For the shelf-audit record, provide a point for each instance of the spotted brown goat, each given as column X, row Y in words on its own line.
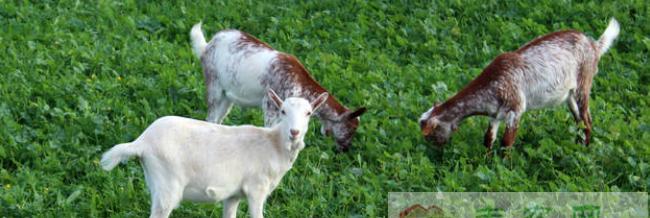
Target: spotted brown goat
column 552, row 69
column 239, row 68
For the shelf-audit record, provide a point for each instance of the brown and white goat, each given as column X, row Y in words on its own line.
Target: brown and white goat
column 238, row 68
column 552, row 69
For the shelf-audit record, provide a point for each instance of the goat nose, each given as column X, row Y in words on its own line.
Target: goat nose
column 294, row 132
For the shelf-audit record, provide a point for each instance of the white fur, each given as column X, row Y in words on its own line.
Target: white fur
column 553, row 70
column 494, row 129
column 551, row 74
column 426, row 115
column 605, row 40
column 198, row 45
column 512, row 118
column 187, row 159
column 239, row 70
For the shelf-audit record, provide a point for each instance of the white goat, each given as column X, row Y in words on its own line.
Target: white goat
column 188, row 159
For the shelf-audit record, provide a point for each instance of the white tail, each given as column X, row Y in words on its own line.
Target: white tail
column 119, row 153
column 198, row 40
column 605, row 40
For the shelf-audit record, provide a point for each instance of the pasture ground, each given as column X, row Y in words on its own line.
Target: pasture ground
column 78, row 77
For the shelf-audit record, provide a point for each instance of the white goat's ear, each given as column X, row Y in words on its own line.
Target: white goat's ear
column 322, row 98
column 274, row 98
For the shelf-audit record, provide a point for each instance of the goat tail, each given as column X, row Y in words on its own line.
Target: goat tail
column 119, row 153
column 605, row 40
column 198, row 40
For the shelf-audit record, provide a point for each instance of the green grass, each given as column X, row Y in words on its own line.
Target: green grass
column 77, row 78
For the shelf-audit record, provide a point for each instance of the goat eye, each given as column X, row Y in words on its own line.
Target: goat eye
column 283, row 113
column 308, row 113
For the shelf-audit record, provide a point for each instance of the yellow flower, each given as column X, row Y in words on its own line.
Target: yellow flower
column 119, row 78
column 7, row 186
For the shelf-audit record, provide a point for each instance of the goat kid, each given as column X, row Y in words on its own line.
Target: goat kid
column 239, row 67
column 187, row 159
column 552, row 69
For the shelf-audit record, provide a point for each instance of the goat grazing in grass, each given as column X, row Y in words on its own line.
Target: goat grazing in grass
column 187, row 159
column 552, row 69
column 239, row 67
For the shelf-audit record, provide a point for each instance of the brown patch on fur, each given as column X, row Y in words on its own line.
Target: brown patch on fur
column 585, row 81
column 496, row 72
column 491, row 92
column 509, row 136
column 288, row 77
column 249, row 40
column 289, row 64
column 207, row 70
column 568, row 35
column 488, row 139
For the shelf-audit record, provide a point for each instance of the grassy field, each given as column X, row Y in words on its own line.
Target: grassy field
column 77, row 78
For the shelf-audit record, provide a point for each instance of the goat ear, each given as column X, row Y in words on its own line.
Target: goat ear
column 322, row 98
column 356, row 113
column 274, row 98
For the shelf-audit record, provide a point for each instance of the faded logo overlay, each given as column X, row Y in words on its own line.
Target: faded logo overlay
column 517, row 204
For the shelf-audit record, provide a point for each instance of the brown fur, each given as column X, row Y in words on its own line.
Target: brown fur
column 493, row 80
column 289, row 64
column 249, row 40
column 336, row 119
column 501, row 88
column 570, row 35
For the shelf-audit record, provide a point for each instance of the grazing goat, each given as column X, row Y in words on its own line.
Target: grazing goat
column 200, row 161
column 239, row 67
column 555, row 68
